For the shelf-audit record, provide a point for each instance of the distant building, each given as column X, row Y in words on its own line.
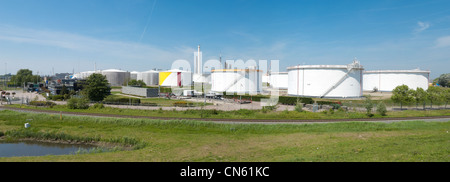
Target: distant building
column 55, row 87
column 61, row 76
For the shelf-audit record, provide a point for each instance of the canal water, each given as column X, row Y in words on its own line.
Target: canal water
column 34, row 148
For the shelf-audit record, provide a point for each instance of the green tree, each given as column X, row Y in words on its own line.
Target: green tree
column 137, row 83
column 420, row 96
column 299, row 106
column 23, row 76
column 403, row 95
column 434, row 95
column 97, row 87
column 368, row 104
column 381, row 109
column 444, row 80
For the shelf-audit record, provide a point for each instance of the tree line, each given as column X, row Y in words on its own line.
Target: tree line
column 404, row 95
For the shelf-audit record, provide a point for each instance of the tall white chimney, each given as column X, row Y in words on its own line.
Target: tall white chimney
column 198, row 62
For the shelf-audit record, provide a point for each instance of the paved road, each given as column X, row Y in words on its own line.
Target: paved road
column 241, row 121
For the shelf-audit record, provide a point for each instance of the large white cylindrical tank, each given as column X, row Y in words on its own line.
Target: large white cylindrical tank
column 150, row 77
column 279, row 80
column 174, row 78
column 202, row 78
column 116, row 77
column 86, row 74
column 387, row 80
column 77, row 76
column 265, row 78
column 134, row 75
column 236, row 81
column 335, row 81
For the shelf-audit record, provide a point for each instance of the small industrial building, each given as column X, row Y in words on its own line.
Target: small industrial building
column 387, row 80
column 55, row 87
column 332, row 81
column 145, row 92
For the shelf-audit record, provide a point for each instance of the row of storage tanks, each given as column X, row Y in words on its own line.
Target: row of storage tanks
column 117, row 77
column 343, row 81
column 333, row 81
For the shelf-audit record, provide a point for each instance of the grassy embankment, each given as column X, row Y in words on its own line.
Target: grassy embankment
column 243, row 113
column 180, row 140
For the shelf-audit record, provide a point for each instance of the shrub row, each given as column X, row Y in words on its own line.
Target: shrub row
column 121, row 100
column 56, row 97
column 285, row 100
column 42, row 103
column 183, row 104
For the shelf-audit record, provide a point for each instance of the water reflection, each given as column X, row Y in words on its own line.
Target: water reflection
column 35, row 148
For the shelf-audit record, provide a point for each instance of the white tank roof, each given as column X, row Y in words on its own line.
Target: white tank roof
column 354, row 65
column 322, row 67
column 151, row 71
column 398, row 71
column 278, row 73
column 176, row 70
column 113, row 70
column 236, row 70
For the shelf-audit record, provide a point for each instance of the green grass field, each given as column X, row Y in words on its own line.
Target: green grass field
column 181, row 140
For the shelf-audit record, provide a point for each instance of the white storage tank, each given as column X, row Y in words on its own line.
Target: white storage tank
column 77, row 76
column 134, row 75
column 116, row 77
column 265, row 78
column 387, row 80
column 335, row 81
column 202, row 78
column 150, row 77
column 175, row 78
column 236, row 80
column 279, row 80
column 86, row 74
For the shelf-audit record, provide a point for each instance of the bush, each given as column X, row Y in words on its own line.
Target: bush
column 335, row 106
column 42, row 103
column 299, row 107
column 381, row 109
column 182, row 104
column 266, row 109
column 331, row 111
column 98, row 106
column 57, row 97
column 78, row 103
column 368, row 104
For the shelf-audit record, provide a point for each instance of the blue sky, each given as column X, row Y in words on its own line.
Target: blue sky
column 138, row 35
